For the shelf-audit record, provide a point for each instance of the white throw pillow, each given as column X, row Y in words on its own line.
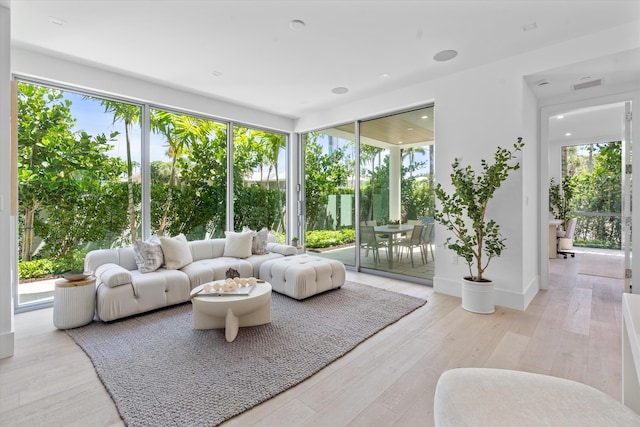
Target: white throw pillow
column 113, row 275
column 149, row 256
column 176, row 252
column 238, row 245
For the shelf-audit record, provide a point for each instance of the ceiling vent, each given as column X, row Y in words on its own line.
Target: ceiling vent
column 591, row 83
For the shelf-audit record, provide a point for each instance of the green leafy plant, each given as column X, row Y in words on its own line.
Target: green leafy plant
column 477, row 239
column 35, row 268
column 560, row 197
column 328, row 238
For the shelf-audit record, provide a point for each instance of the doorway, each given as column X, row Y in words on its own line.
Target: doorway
column 566, row 128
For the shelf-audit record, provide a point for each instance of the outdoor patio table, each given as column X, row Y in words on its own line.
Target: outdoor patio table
column 391, row 231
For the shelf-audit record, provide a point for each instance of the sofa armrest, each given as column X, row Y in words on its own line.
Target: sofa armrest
column 113, row 275
column 282, row 249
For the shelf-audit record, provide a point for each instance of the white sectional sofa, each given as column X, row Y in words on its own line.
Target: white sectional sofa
column 122, row 289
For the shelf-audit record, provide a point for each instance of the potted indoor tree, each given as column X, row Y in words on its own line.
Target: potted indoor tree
column 476, row 239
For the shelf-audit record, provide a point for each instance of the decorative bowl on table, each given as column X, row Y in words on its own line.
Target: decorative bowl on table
column 74, row 276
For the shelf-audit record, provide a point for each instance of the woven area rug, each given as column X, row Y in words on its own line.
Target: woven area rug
column 161, row 372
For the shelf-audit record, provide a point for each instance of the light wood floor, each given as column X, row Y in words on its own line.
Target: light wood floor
column 572, row 330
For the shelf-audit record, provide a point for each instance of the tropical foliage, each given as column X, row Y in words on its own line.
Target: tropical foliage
column 595, row 181
column 76, row 195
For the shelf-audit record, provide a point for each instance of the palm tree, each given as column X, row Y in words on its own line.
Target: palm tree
column 410, row 153
column 129, row 115
column 273, row 143
column 369, row 153
column 180, row 133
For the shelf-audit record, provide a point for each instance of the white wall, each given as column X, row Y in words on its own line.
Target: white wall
column 531, row 190
column 471, row 128
column 7, row 254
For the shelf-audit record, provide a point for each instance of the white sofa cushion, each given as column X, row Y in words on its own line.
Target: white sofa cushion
column 176, row 252
column 257, row 260
column 206, row 249
column 238, row 245
column 282, row 249
column 208, row 270
column 149, row 291
column 149, row 256
column 112, row 275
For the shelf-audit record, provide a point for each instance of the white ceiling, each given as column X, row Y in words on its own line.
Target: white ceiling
column 589, row 125
column 246, row 52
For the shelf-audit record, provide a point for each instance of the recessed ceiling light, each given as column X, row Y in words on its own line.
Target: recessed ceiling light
column 384, row 75
column 409, row 128
column 424, row 117
column 297, row 24
column 567, row 134
column 560, row 117
column 445, row 55
column 339, row 90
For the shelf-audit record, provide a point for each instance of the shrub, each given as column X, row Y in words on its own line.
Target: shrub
column 329, row 238
column 35, row 268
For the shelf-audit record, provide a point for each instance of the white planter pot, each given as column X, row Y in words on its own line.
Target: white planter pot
column 478, row 297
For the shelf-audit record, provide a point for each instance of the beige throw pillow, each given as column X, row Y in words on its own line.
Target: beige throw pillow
column 176, row 252
column 238, row 245
column 259, row 242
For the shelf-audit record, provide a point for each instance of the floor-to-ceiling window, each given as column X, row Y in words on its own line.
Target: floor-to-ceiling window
column 396, row 193
column 395, row 163
column 329, row 212
column 83, row 171
column 78, row 182
column 259, row 180
column 188, row 171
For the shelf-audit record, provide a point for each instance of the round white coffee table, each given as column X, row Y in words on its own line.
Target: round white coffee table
column 232, row 311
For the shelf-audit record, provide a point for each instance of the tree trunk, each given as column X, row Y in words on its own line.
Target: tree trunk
column 131, row 207
column 165, row 212
column 27, row 232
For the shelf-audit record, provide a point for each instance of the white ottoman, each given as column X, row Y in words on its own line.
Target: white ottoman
column 491, row 397
column 302, row 276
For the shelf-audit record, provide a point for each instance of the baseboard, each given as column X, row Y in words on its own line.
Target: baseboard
column 531, row 291
column 7, row 341
column 447, row 286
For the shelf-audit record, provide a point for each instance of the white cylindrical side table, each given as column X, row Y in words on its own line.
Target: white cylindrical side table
column 74, row 302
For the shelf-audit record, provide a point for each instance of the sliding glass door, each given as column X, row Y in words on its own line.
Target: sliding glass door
column 395, row 179
column 396, row 193
column 329, row 211
column 78, row 180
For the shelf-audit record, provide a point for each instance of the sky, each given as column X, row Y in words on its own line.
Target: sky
column 91, row 118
